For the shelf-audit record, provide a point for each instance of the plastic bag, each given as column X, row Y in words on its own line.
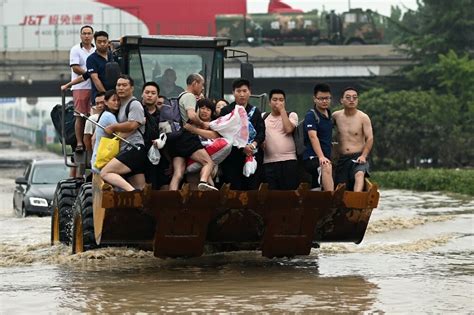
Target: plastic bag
column 250, row 166
column 160, row 141
column 233, row 126
column 108, row 148
column 154, row 155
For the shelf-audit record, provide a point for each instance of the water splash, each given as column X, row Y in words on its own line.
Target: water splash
column 398, row 223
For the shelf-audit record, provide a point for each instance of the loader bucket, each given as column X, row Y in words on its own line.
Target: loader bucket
column 119, row 218
column 187, row 223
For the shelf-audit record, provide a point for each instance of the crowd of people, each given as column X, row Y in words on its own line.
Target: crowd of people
column 258, row 147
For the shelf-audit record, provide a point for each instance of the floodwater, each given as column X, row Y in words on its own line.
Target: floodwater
column 416, row 257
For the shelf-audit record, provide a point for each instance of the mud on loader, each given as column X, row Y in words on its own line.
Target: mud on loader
column 188, row 223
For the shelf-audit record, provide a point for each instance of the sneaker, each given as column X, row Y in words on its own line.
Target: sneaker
column 203, row 186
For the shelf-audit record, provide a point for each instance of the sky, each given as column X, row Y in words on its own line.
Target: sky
column 382, row 7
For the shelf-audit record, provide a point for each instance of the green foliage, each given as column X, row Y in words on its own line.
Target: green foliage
column 432, row 116
column 437, row 27
column 449, row 180
column 411, row 126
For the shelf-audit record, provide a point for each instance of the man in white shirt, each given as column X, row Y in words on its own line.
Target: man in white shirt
column 81, row 92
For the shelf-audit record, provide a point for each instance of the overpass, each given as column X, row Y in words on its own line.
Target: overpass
column 296, row 68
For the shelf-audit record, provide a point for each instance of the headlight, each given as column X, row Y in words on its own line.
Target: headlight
column 39, row 202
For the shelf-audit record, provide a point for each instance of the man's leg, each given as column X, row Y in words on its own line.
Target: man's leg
column 327, row 181
column 359, row 181
column 271, row 176
column 82, row 104
column 288, row 174
column 179, row 165
column 232, row 168
column 111, row 173
column 137, row 181
column 79, row 130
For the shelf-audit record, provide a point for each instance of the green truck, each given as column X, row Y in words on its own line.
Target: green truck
column 355, row 26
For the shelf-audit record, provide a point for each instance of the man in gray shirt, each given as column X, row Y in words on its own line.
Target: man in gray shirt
column 131, row 126
column 188, row 145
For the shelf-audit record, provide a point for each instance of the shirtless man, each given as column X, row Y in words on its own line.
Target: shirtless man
column 355, row 137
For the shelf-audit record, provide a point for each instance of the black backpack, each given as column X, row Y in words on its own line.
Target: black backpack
column 298, row 134
column 69, row 122
column 151, row 126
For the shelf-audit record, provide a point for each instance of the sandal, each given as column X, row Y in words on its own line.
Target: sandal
column 79, row 148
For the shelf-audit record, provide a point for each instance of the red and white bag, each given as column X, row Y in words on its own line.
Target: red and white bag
column 219, row 149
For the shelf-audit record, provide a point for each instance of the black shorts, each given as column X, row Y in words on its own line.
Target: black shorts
column 313, row 168
column 282, row 175
column 134, row 159
column 184, row 145
column 346, row 169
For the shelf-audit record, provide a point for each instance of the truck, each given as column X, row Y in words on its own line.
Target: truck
column 355, row 26
column 89, row 213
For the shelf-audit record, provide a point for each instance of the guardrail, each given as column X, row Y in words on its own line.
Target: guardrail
column 26, row 134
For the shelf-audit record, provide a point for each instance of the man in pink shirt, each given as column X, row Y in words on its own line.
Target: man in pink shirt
column 279, row 161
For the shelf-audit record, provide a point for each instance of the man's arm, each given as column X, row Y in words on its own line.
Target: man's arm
column 369, row 138
column 74, row 59
column 195, row 120
column 77, row 69
column 316, row 145
column 98, row 84
column 288, row 125
column 77, row 80
column 124, row 127
column 91, row 69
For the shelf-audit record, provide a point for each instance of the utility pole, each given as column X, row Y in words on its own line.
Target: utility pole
column 349, row 4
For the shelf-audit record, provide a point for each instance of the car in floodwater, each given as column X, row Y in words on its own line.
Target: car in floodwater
column 35, row 189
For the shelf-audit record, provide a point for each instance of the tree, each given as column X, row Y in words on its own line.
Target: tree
column 438, row 27
column 413, row 125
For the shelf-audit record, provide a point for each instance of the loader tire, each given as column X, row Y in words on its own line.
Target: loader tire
column 83, row 237
column 61, row 214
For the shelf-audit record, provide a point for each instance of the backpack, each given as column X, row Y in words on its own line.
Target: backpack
column 151, row 126
column 298, row 135
column 69, row 122
column 170, row 118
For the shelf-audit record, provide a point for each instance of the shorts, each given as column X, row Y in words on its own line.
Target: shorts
column 135, row 160
column 346, row 169
column 82, row 101
column 282, row 175
column 312, row 166
column 184, row 145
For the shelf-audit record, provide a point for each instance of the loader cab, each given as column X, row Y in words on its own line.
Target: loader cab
column 169, row 60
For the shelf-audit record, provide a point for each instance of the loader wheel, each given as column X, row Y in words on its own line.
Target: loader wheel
column 61, row 216
column 83, row 237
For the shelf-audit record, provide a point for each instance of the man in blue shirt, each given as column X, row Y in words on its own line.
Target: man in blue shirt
column 318, row 138
column 96, row 64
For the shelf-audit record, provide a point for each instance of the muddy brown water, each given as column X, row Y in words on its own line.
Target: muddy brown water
column 416, row 257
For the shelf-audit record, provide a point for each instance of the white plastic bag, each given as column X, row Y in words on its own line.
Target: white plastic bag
column 154, row 155
column 161, row 141
column 250, row 166
column 233, row 126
